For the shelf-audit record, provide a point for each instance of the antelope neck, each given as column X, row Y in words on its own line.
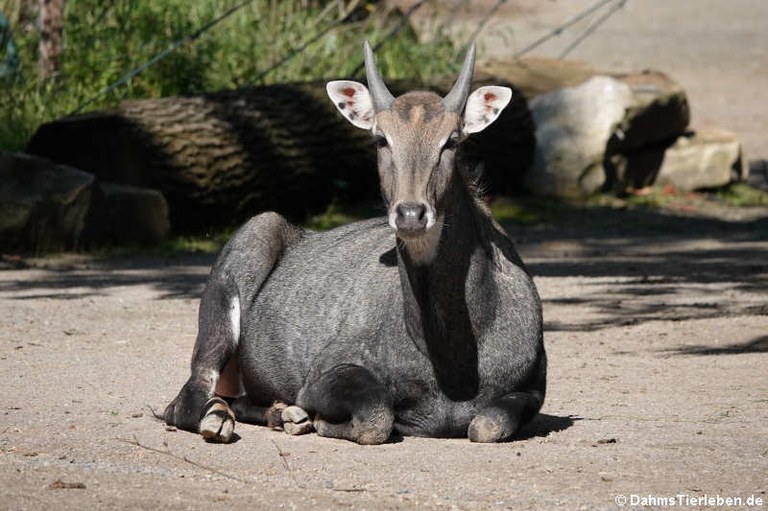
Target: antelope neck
column 436, row 294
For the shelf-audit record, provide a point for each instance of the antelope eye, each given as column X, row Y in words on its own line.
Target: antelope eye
column 380, row 141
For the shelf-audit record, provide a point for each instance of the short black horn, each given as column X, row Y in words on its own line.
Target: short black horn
column 380, row 96
column 457, row 98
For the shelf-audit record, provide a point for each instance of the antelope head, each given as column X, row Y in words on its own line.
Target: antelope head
column 416, row 136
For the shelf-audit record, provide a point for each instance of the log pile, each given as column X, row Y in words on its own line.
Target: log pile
column 220, row 158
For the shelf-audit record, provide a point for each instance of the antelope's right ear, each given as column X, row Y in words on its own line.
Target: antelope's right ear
column 353, row 101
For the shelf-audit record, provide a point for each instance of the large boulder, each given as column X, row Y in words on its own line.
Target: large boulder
column 584, row 116
column 535, row 76
column 573, row 126
column 124, row 214
column 42, row 204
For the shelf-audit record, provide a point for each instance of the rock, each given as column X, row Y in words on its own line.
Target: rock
column 573, row 126
column 583, row 116
column 124, row 214
column 701, row 159
column 42, row 205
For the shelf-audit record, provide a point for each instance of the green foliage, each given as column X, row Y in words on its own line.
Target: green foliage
column 106, row 38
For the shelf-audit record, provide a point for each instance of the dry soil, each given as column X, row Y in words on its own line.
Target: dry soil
column 657, row 333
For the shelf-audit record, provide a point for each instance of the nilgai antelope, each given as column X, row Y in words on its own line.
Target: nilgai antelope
column 424, row 322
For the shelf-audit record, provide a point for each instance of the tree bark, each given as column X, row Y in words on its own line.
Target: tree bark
column 51, row 37
column 25, row 12
column 222, row 157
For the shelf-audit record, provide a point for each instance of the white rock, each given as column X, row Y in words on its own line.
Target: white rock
column 573, row 126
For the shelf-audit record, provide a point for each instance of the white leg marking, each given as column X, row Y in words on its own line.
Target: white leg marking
column 234, row 317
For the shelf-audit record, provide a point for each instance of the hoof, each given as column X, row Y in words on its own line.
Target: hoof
column 295, row 421
column 484, row 430
column 218, row 423
column 492, row 426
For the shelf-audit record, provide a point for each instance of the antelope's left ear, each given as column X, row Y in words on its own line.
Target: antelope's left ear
column 484, row 106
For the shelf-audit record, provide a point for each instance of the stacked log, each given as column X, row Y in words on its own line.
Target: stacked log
column 220, row 158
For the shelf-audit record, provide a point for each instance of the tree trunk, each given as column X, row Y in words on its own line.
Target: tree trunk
column 222, row 157
column 51, row 37
column 25, row 12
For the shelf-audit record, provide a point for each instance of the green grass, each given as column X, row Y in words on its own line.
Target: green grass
column 742, row 195
column 525, row 210
column 105, row 39
column 339, row 214
column 733, row 195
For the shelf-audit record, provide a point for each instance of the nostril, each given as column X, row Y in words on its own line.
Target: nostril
column 411, row 211
column 411, row 216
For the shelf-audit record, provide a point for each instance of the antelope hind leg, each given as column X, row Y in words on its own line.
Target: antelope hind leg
column 504, row 417
column 290, row 418
column 349, row 402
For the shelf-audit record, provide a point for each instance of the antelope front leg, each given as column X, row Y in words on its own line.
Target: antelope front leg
column 499, row 421
column 242, row 267
column 196, row 408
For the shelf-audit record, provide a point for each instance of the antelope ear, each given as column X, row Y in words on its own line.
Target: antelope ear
column 484, row 106
column 353, row 101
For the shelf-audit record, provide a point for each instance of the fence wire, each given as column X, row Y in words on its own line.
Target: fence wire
column 564, row 26
column 591, row 28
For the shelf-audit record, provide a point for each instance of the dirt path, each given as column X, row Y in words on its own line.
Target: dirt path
column 657, row 332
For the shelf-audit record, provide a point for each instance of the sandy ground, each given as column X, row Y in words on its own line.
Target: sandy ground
column 656, row 328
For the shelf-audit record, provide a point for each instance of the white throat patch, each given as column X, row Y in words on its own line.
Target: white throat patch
column 423, row 250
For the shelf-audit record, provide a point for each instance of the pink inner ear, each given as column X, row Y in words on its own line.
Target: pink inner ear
column 489, row 96
column 349, row 92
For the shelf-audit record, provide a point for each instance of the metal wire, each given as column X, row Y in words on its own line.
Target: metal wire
column 591, row 28
column 491, row 13
column 559, row 30
column 301, row 48
column 358, row 69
